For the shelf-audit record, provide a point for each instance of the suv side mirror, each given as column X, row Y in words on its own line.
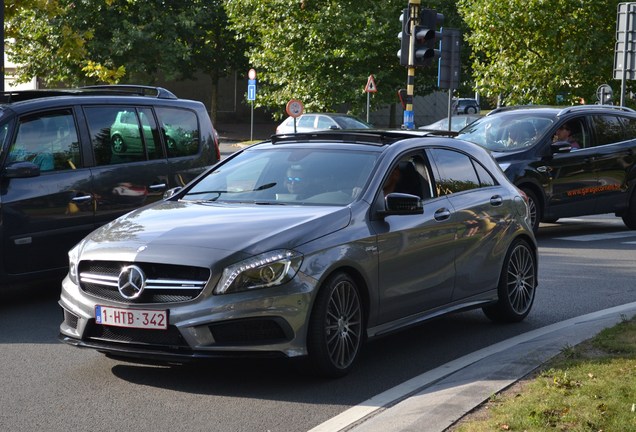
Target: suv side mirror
column 21, row 170
column 171, row 192
column 561, row 147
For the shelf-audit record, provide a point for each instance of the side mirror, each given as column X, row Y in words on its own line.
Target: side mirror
column 561, row 147
column 402, row 204
column 21, row 170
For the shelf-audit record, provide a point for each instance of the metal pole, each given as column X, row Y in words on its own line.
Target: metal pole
column 368, row 107
column 252, row 122
column 628, row 14
column 450, row 108
column 414, row 13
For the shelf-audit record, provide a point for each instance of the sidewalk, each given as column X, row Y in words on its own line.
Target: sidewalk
column 435, row 400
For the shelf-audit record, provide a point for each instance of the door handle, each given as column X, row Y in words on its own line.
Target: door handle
column 157, row 187
column 442, row 214
column 496, row 200
column 81, row 199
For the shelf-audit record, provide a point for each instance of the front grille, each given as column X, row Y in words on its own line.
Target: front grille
column 165, row 283
column 164, row 338
column 251, row 331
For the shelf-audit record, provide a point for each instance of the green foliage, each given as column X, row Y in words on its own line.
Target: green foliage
column 87, row 41
column 320, row 52
column 530, row 51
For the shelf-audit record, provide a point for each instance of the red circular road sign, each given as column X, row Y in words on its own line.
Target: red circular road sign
column 251, row 74
column 294, row 108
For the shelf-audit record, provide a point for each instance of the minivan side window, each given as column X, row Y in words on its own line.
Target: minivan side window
column 180, row 131
column 608, row 129
column 630, row 127
column 49, row 140
column 123, row 134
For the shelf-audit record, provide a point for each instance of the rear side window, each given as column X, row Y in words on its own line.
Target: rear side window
column 49, row 140
column 123, row 134
column 180, row 130
column 630, row 127
column 608, row 129
column 456, row 172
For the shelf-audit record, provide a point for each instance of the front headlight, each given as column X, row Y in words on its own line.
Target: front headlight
column 262, row 271
column 73, row 261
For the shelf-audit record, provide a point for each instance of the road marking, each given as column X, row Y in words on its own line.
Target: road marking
column 596, row 237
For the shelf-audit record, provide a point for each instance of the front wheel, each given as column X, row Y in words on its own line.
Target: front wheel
column 119, row 146
column 535, row 209
column 336, row 327
column 517, row 285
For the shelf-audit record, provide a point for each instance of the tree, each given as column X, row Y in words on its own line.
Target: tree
column 531, row 51
column 132, row 41
column 321, row 52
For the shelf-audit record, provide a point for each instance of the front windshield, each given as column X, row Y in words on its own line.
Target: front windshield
column 507, row 132
column 312, row 176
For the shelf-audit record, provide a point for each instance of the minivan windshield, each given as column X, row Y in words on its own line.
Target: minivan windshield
column 278, row 176
column 507, row 132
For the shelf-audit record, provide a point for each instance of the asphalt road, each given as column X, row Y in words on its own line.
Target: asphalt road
column 584, row 267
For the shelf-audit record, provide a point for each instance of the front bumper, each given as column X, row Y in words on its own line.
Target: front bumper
column 270, row 322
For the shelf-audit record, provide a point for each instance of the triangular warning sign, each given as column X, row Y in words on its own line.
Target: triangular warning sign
column 370, row 87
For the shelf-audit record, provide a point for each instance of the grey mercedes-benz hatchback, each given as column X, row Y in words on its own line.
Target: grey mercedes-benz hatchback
column 305, row 246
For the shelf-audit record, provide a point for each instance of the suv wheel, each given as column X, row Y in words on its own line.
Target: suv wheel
column 535, row 209
column 471, row 110
column 629, row 218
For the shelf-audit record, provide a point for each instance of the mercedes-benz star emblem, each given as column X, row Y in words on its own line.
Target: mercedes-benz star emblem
column 131, row 283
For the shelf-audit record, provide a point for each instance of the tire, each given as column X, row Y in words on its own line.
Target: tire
column 118, row 144
column 517, row 285
column 535, row 209
column 471, row 110
column 629, row 218
column 336, row 327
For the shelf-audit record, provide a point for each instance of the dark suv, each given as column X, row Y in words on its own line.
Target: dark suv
column 62, row 176
column 592, row 171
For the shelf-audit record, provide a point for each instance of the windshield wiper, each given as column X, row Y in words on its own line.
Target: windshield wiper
column 220, row 192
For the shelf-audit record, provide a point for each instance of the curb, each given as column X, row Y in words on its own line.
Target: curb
column 435, row 400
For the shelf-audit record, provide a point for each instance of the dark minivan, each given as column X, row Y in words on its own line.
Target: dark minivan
column 65, row 171
column 573, row 161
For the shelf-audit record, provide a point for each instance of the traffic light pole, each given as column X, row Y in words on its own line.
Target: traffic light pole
column 414, row 16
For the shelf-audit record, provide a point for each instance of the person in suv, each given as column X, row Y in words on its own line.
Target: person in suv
column 64, row 171
column 588, row 171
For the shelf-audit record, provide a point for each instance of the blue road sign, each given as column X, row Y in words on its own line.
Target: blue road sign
column 251, row 90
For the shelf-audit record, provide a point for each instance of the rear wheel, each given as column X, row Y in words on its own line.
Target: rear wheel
column 119, row 146
column 629, row 218
column 517, row 285
column 336, row 327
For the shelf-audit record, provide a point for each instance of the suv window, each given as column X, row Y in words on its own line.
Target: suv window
column 180, row 131
column 116, row 137
column 608, row 129
column 49, row 140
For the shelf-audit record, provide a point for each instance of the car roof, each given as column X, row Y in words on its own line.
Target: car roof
column 560, row 111
column 23, row 100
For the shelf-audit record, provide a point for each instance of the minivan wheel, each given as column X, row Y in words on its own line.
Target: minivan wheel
column 629, row 218
column 336, row 327
column 517, row 285
column 119, row 146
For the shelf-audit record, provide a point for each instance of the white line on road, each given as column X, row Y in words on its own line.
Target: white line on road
column 596, row 237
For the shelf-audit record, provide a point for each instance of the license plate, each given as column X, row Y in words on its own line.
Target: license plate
column 131, row 318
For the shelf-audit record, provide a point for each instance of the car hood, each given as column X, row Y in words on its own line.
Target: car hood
column 202, row 233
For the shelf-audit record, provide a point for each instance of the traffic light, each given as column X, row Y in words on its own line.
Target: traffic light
column 427, row 38
column 405, row 38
